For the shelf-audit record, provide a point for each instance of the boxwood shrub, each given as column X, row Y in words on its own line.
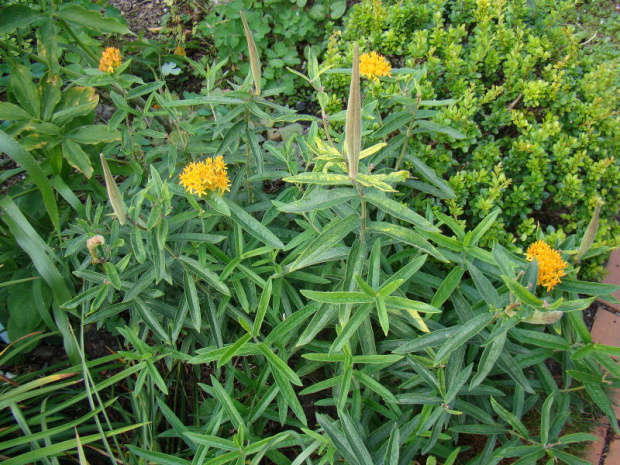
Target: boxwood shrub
column 540, row 117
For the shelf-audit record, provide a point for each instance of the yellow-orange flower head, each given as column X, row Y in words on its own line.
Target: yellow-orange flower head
column 373, row 66
column 551, row 267
column 110, row 60
column 206, row 176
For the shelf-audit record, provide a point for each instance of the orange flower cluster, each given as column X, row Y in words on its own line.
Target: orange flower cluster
column 110, row 60
column 206, row 176
column 551, row 267
column 373, row 66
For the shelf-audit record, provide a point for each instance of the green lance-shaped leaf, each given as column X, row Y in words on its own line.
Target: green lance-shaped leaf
column 510, row 418
column 262, row 307
column 354, row 439
column 590, row 235
column 226, row 401
column 317, row 200
column 331, row 235
column 399, row 211
column 92, row 20
column 77, row 157
column 11, row 112
column 23, row 158
column 340, row 442
column 191, row 294
column 25, row 90
column 464, row 334
column 382, row 312
column 254, row 61
column 254, row 227
column 522, row 293
column 545, row 420
column 329, row 179
column 277, row 364
column 487, row 362
column 392, row 451
column 16, row 16
column 353, row 126
column 116, row 199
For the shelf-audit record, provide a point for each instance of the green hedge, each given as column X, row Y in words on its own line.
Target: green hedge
column 540, row 117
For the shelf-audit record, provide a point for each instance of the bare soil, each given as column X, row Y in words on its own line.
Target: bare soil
column 142, row 15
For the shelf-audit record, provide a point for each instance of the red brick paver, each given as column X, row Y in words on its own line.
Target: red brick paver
column 596, row 448
column 613, row 277
column 613, row 456
column 606, row 330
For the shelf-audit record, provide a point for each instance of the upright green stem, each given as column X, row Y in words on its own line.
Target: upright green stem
column 311, row 223
column 78, row 41
column 401, row 157
column 247, row 156
column 325, row 122
column 364, row 214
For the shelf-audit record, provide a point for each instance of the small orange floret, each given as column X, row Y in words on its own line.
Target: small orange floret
column 110, row 60
column 205, row 176
column 551, row 267
column 373, row 66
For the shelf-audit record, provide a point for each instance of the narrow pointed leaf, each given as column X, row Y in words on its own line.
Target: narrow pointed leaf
column 447, row 287
column 408, row 236
column 252, row 226
column 487, row 362
column 227, row 403
column 262, row 307
column 398, row 210
column 464, row 333
column 191, row 295
column 24, row 159
column 278, row 365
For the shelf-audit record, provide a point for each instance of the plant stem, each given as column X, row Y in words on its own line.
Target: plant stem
column 364, row 214
column 325, row 121
column 310, row 223
column 401, row 157
column 78, row 41
column 247, row 156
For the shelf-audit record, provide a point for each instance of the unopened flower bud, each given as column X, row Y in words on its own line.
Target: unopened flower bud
column 92, row 245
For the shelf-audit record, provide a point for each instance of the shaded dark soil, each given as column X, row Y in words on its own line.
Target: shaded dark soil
column 97, row 343
column 589, row 314
column 610, row 437
column 7, row 164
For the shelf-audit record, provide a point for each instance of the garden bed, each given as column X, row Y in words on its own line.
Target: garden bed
column 337, row 234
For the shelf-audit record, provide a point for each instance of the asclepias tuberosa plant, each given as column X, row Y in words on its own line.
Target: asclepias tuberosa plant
column 320, row 320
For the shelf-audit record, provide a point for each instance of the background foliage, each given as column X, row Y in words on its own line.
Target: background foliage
column 540, row 117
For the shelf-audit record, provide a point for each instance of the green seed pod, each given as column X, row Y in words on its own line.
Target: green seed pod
column 590, row 235
column 543, row 318
column 353, row 126
column 254, row 61
column 116, row 199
